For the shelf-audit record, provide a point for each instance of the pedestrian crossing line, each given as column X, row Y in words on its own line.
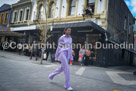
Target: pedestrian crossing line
column 116, row 78
column 80, row 71
column 48, row 66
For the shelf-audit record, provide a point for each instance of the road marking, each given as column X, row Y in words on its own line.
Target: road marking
column 116, row 78
column 80, row 71
column 116, row 90
column 48, row 66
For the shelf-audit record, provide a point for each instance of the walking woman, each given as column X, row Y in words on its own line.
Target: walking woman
column 63, row 54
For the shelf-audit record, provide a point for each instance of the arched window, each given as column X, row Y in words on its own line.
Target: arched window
column 41, row 12
column 51, row 9
column 72, row 6
column 21, row 16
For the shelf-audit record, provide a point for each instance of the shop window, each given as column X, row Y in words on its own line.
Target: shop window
column 51, row 9
column 72, row 6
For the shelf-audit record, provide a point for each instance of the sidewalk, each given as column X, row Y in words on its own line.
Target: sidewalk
column 19, row 72
column 121, row 68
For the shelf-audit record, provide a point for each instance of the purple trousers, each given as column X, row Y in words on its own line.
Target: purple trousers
column 63, row 57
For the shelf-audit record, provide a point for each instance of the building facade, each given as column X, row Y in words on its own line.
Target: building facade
column 90, row 20
column 5, row 16
column 22, row 20
column 111, row 15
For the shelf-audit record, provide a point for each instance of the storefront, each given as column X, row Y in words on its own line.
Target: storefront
column 9, row 36
column 82, row 33
column 32, row 33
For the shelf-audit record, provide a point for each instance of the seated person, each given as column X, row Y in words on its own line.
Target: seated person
column 87, row 58
column 88, row 11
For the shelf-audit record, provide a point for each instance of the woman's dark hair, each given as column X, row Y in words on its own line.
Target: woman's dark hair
column 66, row 29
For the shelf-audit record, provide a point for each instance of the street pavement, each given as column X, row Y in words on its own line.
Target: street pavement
column 19, row 73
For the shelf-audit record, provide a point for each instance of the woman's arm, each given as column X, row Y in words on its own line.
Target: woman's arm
column 71, row 56
column 60, row 41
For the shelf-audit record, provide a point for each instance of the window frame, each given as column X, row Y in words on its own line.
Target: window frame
column 6, row 17
column 70, row 8
column 49, row 8
column 1, row 23
column 19, row 17
column 25, row 15
column 13, row 20
column 39, row 16
column 92, row 5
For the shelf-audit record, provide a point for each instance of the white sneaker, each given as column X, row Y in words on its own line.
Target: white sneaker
column 51, row 81
column 70, row 89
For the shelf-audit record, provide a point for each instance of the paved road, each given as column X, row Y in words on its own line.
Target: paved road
column 18, row 73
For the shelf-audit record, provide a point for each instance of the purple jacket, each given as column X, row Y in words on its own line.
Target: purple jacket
column 64, row 43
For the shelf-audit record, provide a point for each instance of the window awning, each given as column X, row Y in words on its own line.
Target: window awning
column 10, row 33
column 83, row 27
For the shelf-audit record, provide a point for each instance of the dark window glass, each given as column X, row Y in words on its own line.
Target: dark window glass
column 27, row 14
column 21, row 15
column 15, row 16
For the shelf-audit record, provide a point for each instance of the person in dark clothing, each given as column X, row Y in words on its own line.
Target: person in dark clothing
column 34, row 51
column 87, row 57
column 20, row 50
column 89, row 11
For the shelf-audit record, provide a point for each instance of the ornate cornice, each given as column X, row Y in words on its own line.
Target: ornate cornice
column 22, row 3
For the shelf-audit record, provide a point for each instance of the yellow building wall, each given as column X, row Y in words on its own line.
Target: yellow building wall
column 74, row 18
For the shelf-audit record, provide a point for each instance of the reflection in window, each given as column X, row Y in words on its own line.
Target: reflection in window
column 51, row 9
column 72, row 7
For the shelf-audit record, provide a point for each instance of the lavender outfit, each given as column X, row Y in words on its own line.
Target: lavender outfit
column 63, row 54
